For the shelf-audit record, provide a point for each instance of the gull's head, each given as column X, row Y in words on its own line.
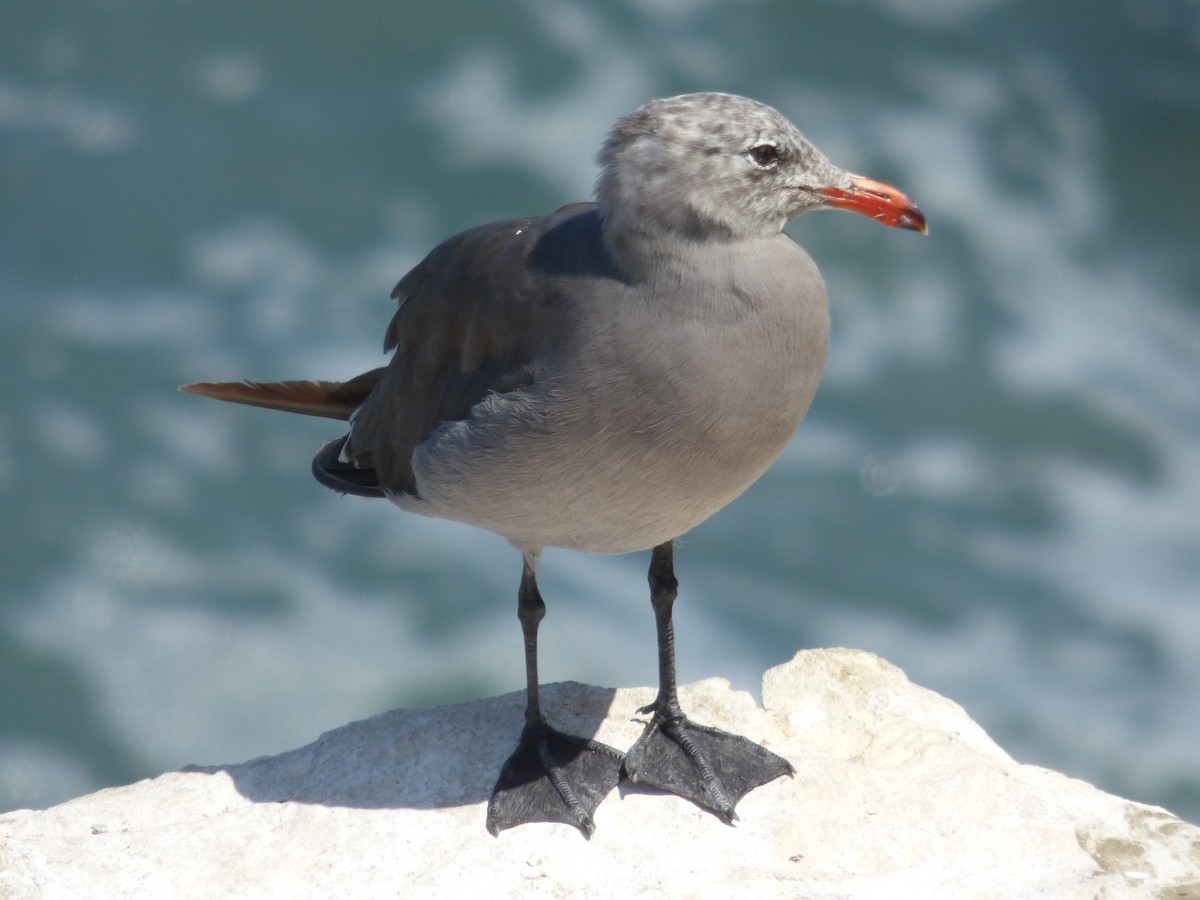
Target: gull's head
column 721, row 167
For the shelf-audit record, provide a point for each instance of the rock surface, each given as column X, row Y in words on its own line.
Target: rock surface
column 896, row 794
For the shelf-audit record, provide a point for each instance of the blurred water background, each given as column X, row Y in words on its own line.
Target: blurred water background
column 998, row 488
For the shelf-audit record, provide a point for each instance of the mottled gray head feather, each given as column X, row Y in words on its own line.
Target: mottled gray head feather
column 694, row 166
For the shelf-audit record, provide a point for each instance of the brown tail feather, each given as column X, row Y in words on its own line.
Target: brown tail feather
column 331, row 399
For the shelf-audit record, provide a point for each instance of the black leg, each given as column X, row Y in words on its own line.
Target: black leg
column 551, row 776
column 710, row 767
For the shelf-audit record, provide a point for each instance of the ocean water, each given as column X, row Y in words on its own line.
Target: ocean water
column 997, row 489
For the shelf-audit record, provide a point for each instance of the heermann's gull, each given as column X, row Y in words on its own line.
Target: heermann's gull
column 605, row 378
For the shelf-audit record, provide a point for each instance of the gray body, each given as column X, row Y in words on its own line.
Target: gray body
column 697, row 375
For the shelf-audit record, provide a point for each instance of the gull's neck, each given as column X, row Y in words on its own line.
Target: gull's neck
column 645, row 248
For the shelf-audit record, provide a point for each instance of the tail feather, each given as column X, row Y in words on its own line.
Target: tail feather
column 331, row 399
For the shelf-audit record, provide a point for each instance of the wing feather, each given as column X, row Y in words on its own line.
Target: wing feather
column 476, row 316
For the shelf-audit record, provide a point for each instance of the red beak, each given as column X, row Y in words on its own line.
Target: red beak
column 880, row 201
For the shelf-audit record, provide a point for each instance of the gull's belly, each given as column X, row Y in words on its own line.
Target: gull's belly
column 602, row 491
column 628, row 454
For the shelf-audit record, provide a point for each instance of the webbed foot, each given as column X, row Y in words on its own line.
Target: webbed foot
column 553, row 777
column 710, row 767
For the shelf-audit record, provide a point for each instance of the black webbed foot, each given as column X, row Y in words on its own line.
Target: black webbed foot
column 553, row 777
column 710, row 767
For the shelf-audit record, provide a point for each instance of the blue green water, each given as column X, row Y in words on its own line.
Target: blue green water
column 997, row 488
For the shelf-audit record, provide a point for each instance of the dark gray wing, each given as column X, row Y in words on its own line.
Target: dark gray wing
column 475, row 317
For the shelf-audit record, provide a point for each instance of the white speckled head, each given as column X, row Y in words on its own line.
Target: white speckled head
column 710, row 167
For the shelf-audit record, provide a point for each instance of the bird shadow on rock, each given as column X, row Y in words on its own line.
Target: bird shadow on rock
column 414, row 758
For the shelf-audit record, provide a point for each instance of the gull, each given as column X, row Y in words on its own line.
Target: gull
column 604, row 379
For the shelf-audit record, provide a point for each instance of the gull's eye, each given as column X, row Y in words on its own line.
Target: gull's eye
column 764, row 155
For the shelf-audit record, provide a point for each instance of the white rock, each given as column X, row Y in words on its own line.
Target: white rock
column 897, row 794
